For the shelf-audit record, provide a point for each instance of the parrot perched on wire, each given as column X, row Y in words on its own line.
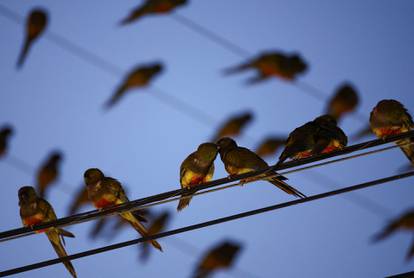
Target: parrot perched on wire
column 233, row 126
column 140, row 77
column 273, row 64
column 5, row 133
column 48, row 172
column 390, row 117
column 345, row 100
column 221, row 256
column 105, row 192
column 35, row 26
column 152, row 7
column 35, row 210
column 238, row 160
column 404, row 222
column 156, row 226
column 270, row 145
column 196, row 169
column 322, row 135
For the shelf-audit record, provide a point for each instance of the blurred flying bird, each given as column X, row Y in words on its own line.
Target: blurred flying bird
column 233, row 126
column 322, row 135
column 106, row 192
column 81, row 198
column 35, row 26
column 139, row 77
column 196, row 169
column 238, row 160
column 5, row 133
column 35, row 210
column 404, row 222
column 270, row 145
column 48, row 172
column 152, row 7
column 156, row 226
column 273, row 64
column 221, row 256
column 390, row 117
column 344, row 101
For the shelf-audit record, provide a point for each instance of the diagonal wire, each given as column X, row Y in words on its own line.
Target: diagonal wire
column 208, row 223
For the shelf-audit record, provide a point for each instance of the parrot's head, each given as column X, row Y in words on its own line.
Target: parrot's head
column 226, row 143
column 326, row 120
column 229, row 249
column 208, row 151
column 389, row 105
column 93, row 176
column 38, row 17
column 157, row 68
column 56, row 156
column 246, row 117
column 6, row 130
column 27, row 195
column 298, row 64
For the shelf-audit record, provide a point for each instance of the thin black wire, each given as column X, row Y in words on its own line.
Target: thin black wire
column 208, row 223
column 136, row 204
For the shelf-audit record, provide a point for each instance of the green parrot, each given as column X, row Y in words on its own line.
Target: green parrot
column 221, row 256
column 5, row 133
column 34, row 211
column 35, row 26
column 196, row 169
column 404, row 222
column 106, row 192
column 345, row 100
column 273, row 64
column 140, row 77
column 389, row 117
column 270, row 145
column 152, row 7
column 48, row 172
column 233, row 126
column 238, row 160
column 322, row 135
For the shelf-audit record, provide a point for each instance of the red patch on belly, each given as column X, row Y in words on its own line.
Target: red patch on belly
column 103, row 203
column 389, row 131
column 197, row 180
column 304, row 154
column 330, row 149
column 32, row 221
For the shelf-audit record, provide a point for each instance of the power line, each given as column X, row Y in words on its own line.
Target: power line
column 207, row 223
column 137, row 204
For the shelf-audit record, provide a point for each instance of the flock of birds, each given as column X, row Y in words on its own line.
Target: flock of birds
column 321, row 135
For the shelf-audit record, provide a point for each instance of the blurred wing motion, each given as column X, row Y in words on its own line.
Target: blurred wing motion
column 150, row 7
column 158, row 225
column 390, row 117
column 344, row 101
column 48, row 172
column 81, row 198
column 5, row 133
column 35, row 26
column 221, row 256
column 272, row 64
column 233, row 126
column 140, row 77
column 270, row 145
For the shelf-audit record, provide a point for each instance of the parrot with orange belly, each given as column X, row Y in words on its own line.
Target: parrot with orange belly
column 35, row 26
column 321, row 135
column 390, row 117
column 106, row 192
column 196, row 169
column 34, row 211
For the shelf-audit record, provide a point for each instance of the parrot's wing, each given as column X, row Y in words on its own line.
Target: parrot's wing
column 245, row 158
column 116, row 188
column 47, row 210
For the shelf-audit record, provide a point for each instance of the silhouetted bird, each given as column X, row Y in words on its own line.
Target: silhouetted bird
column 5, row 133
column 238, row 160
column 345, row 100
column 196, row 169
column 48, row 172
column 270, row 145
column 321, row 135
column 35, row 26
column 233, row 126
column 273, row 64
column 404, row 222
column 152, row 7
column 105, row 192
column 35, row 210
column 140, row 77
column 221, row 256
column 390, row 117
column 156, row 226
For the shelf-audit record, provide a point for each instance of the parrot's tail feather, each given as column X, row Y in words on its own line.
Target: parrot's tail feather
column 236, row 69
column 386, row 232
column 408, row 148
column 134, row 16
column 145, row 251
column 184, row 202
column 285, row 187
column 24, row 52
column 65, row 233
column 139, row 228
column 116, row 97
column 256, row 79
column 54, row 239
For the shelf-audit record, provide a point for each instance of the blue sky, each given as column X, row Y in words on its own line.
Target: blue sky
column 55, row 102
